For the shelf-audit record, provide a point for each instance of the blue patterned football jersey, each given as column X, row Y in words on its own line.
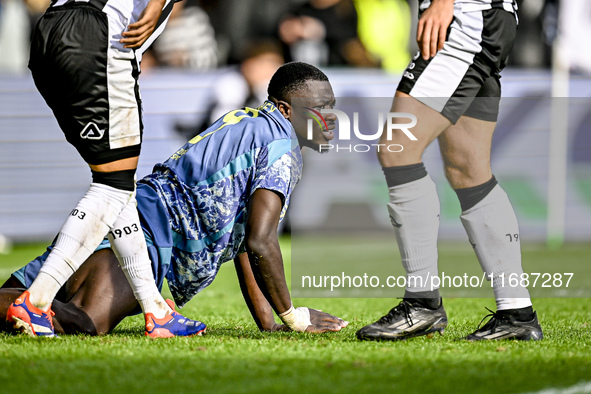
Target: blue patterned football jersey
column 194, row 206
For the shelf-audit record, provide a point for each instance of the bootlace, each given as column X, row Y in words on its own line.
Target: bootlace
column 492, row 323
column 404, row 309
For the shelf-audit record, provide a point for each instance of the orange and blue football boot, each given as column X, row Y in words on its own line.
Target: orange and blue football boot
column 29, row 319
column 172, row 325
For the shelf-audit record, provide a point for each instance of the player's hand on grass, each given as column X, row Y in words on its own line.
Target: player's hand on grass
column 433, row 25
column 137, row 33
column 323, row 322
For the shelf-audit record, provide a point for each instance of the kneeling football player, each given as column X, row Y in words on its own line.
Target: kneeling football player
column 220, row 197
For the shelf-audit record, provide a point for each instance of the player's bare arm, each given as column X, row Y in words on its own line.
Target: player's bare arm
column 263, row 249
column 259, row 307
column 266, row 261
column 137, row 33
column 433, row 25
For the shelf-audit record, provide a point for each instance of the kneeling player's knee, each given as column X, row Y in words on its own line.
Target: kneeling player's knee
column 74, row 320
column 123, row 180
column 88, row 328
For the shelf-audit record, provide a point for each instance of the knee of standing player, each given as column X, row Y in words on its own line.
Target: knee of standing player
column 399, row 150
column 456, row 174
column 123, row 180
column 461, row 175
column 390, row 154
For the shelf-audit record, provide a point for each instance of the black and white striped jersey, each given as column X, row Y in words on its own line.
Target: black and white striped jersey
column 477, row 5
column 122, row 13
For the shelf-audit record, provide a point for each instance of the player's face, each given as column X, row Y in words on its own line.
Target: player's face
column 306, row 105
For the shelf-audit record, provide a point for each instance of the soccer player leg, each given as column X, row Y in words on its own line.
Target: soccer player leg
column 491, row 225
column 414, row 203
column 95, row 298
column 129, row 244
column 101, row 290
column 9, row 292
column 414, row 212
column 82, row 232
column 493, row 231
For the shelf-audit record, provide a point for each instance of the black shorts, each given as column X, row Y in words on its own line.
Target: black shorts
column 91, row 87
column 464, row 77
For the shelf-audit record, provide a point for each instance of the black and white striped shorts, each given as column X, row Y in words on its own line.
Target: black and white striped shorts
column 464, row 77
column 91, row 87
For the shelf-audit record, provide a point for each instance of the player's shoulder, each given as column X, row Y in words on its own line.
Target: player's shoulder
column 277, row 120
column 268, row 132
column 270, row 114
column 247, row 131
column 263, row 124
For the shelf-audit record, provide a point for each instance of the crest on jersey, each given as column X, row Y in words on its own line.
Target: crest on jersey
column 92, row 132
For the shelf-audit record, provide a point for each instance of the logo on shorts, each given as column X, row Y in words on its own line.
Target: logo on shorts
column 394, row 222
column 92, row 132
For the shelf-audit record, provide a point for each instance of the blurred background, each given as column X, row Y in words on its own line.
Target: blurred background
column 215, row 56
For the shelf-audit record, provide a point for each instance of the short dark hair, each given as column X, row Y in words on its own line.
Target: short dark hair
column 292, row 76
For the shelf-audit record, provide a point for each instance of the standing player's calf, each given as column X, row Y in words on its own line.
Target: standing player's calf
column 454, row 90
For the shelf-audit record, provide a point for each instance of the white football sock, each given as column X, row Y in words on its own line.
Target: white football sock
column 129, row 244
column 493, row 231
column 82, row 232
column 414, row 211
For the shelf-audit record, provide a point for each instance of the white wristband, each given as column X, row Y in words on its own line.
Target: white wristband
column 298, row 319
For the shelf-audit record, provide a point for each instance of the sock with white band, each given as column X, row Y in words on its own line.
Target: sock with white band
column 414, row 212
column 129, row 244
column 493, row 231
column 82, row 232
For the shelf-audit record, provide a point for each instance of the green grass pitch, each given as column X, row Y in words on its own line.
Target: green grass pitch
column 235, row 357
